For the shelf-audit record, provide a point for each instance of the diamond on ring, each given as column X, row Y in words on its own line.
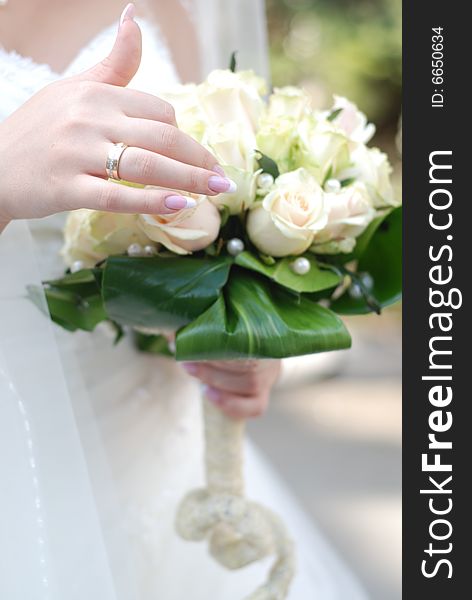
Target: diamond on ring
column 113, row 160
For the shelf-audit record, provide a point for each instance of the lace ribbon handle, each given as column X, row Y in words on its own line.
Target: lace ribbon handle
column 239, row 532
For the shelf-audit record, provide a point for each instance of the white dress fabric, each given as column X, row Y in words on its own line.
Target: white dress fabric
column 99, row 443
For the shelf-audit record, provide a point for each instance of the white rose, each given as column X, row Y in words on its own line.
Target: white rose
column 185, row 231
column 183, row 98
column 288, row 101
column 322, row 149
column 189, row 114
column 277, row 135
column 289, row 216
column 245, row 194
column 372, row 167
column 276, row 139
column 234, row 149
column 91, row 236
column 349, row 213
column 232, row 145
column 227, row 96
column 352, row 121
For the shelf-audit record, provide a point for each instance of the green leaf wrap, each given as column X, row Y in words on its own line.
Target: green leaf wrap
column 380, row 255
column 75, row 301
column 258, row 319
column 161, row 292
column 281, row 272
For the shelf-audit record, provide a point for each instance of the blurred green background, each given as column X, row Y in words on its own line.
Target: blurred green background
column 348, row 47
column 334, row 425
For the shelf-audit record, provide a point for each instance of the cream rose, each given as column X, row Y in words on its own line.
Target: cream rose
column 91, row 236
column 352, row 121
column 232, row 145
column 232, row 97
column 183, row 97
column 234, row 148
column 277, row 135
column 289, row 102
column 186, row 231
column 276, row 138
column 349, row 213
column 372, row 167
column 189, row 114
column 322, row 149
column 245, row 194
column 289, row 216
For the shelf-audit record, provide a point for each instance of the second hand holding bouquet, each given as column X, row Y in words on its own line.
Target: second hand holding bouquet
column 312, row 230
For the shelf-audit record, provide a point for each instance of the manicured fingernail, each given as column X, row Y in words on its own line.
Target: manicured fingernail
column 128, row 13
column 221, row 185
column 212, row 395
column 190, row 368
column 219, row 170
column 179, row 202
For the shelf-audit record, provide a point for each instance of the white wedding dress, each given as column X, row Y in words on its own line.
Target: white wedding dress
column 99, row 443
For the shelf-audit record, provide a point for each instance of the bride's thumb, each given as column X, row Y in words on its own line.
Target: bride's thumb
column 120, row 66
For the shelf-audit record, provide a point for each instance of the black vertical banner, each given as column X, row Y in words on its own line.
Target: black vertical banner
column 437, row 196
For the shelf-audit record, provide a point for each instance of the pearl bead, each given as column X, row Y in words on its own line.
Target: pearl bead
column 77, row 265
column 135, row 250
column 265, row 181
column 332, row 186
column 367, row 280
column 235, row 246
column 150, row 250
column 301, row 266
column 355, row 291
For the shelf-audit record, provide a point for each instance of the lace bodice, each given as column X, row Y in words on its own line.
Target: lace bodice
column 21, row 77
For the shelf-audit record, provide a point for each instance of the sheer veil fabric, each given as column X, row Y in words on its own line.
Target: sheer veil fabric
column 228, row 26
column 98, row 444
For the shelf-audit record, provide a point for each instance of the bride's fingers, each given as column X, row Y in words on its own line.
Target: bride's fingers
column 141, row 105
column 167, row 140
column 149, row 168
column 248, row 383
column 238, row 407
column 99, row 194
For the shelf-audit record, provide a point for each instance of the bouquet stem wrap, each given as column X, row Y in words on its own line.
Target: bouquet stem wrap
column 223, row 451
column 239, row 532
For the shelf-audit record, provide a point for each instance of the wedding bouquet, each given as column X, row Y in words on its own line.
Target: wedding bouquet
column 312, row 231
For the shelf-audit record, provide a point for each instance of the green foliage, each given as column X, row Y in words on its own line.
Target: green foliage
column 254, row 318
column 161, row 292
column 379, row 255
column 233, row 62
column 74, row 301
column 267, row 164
column 281, row 272
column 347, row 47
column 153, row 344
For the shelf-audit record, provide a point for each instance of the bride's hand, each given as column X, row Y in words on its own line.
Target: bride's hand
column 53, row 149
column 241, row 388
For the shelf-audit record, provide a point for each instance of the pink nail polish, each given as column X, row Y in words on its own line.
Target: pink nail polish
column 128, row 13
column 190, row 368
column 179, row 202
column 221, row 185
